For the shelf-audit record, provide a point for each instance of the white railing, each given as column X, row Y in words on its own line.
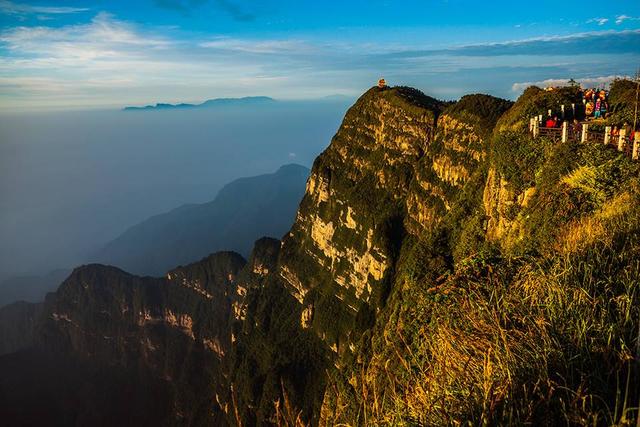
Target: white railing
column 585, row 135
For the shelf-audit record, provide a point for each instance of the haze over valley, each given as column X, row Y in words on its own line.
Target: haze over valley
column 72, row 181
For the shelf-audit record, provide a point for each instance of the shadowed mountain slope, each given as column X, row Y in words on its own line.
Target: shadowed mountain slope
column 243, row 211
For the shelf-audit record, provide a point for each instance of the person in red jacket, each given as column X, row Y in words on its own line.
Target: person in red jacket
column 552, row 122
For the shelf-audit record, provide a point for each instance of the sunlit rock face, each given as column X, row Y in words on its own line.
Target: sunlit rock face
column 498, row 198
column 341, row 249
column 457, row 150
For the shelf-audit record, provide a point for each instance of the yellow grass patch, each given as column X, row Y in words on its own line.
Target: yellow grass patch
column 596, row 228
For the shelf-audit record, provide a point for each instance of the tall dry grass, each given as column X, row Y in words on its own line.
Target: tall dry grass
column 526, row 341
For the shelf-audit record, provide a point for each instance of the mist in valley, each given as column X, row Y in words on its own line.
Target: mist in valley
column 72, row 181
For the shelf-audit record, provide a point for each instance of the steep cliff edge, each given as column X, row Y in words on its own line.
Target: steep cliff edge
column 392, row 172
column 338, row 259
column 336, row 264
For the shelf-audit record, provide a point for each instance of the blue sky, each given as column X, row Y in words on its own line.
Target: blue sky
column 77, row 54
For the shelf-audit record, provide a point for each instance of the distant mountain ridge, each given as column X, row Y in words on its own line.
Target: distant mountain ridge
column 217, row 102
column 243, row 210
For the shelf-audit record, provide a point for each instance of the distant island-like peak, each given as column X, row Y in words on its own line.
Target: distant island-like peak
column 217, row 102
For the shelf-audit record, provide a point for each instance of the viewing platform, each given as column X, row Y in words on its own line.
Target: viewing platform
column 587, row 132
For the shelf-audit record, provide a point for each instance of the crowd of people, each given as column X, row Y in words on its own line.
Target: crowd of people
column 595, row 103
column 596, row 106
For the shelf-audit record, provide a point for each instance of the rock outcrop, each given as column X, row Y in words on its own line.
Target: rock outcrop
column 339, row 255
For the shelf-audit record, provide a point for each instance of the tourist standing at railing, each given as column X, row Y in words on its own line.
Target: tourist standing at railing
column 588, row 94
column 595, row 103
column 552, row 122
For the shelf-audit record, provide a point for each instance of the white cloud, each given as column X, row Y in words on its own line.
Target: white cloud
column 622, row 18
column 584, row 82
column 10, row 8
column 102, row 34
column 81, row 51
column 258, row 46
column 599, row 21
column 553, row 38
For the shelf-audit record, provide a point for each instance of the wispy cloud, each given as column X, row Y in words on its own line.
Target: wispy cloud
column 599, row 21
column 620, row 19
column 610, row 41
column 258, row 46
column 104, row 36
column 10, row 8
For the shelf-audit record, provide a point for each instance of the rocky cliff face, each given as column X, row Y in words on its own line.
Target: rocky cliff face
column 338, row 258
column 175, row 336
